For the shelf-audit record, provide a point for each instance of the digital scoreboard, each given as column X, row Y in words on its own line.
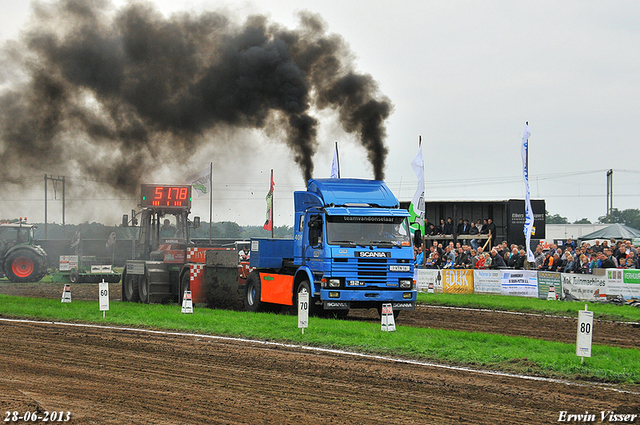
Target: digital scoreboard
column 163, row 196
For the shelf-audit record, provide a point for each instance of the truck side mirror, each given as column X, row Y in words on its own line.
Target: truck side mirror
column 196, row 222
column 125, row 220
column 417, row 238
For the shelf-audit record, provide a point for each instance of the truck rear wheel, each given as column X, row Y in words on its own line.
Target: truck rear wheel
column 252, row 293
column 24, row 265
column 131, row 288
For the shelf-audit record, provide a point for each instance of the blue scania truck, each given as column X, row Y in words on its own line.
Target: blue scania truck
column 351, row 249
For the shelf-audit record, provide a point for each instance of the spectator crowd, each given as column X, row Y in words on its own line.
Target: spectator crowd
column 567, row 258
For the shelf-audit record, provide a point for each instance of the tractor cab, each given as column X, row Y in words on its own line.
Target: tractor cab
column 164, row 223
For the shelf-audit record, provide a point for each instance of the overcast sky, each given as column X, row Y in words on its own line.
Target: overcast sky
column 463, row 75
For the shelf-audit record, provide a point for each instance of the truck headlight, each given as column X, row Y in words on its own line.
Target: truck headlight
column 334, row 294
column 334, row 283
column 406, row 283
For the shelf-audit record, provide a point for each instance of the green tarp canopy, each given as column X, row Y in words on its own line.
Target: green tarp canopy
column 615, row 231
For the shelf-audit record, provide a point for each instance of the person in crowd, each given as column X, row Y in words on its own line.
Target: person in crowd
column 583, row 267
column 449, row 254
column 481, row 262
column 419, row 257
column 440, row 227
column 448, row 227
column 606, row 261
column 558, row 264
column 630, row 264
column 609, row 254
column 479, row 226
column 497, row 262
column 547, row 264
column 569, row 243
column 487, row 259
column 491, row 230
column 473, row 230
column 513, row 257
column 630, row 248
column 569, row 265
column 463, row 227
column 539, row 257
column 462, row 259
column 597, row 247
column 435, row 262
column 522, row 257
column 473, row 259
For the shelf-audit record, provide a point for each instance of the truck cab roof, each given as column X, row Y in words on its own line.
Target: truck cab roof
column 353, row 193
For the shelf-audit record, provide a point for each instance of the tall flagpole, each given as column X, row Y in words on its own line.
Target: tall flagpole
column 273, row 215
column 338, row 159
column 210, row 201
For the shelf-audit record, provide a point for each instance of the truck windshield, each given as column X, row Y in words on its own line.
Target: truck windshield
column 355, row 230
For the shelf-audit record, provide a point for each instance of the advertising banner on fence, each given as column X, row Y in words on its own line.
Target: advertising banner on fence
column 547, row 279
column 585, row 287
column 521, row 283
column 428, row 277
column 457, row 281
column 486, row 282
column 623, row 282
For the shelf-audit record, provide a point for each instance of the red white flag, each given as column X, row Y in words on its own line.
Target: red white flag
column 268, row 223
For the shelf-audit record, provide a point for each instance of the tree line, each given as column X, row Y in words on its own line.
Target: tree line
column 629, row 217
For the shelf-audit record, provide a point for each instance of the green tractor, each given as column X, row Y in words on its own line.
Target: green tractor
column 21, row 260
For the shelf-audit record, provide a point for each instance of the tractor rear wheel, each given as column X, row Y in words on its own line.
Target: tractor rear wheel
column 184, row 285
column 131, row 288
column 143, row 288
column 24, row 265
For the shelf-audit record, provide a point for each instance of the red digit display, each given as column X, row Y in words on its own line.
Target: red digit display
column 163, row 196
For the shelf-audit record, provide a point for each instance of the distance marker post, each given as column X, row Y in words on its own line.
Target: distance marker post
column 388, row 323
column 187, row 303
column 103, row 288
column 303, row 310
column 585, row 333
column 66, row 294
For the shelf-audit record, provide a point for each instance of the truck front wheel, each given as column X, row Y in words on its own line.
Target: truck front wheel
column 252, row 293
column 305, row 286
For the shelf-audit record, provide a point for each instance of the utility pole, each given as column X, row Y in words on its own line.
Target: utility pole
column 54, row 179
column 609, row 192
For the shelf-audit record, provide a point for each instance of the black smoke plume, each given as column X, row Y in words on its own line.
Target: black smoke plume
column 112, row 93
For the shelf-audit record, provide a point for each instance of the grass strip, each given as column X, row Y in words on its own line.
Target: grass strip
column 532, row 305
column 498, row 352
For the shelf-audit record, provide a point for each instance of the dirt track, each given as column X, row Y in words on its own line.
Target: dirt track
column 119, row 376
column 113, row 376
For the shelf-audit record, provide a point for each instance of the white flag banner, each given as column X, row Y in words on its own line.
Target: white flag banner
column 528, row 222
column 335, row 169
column 418, row 168
column 201, row 182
